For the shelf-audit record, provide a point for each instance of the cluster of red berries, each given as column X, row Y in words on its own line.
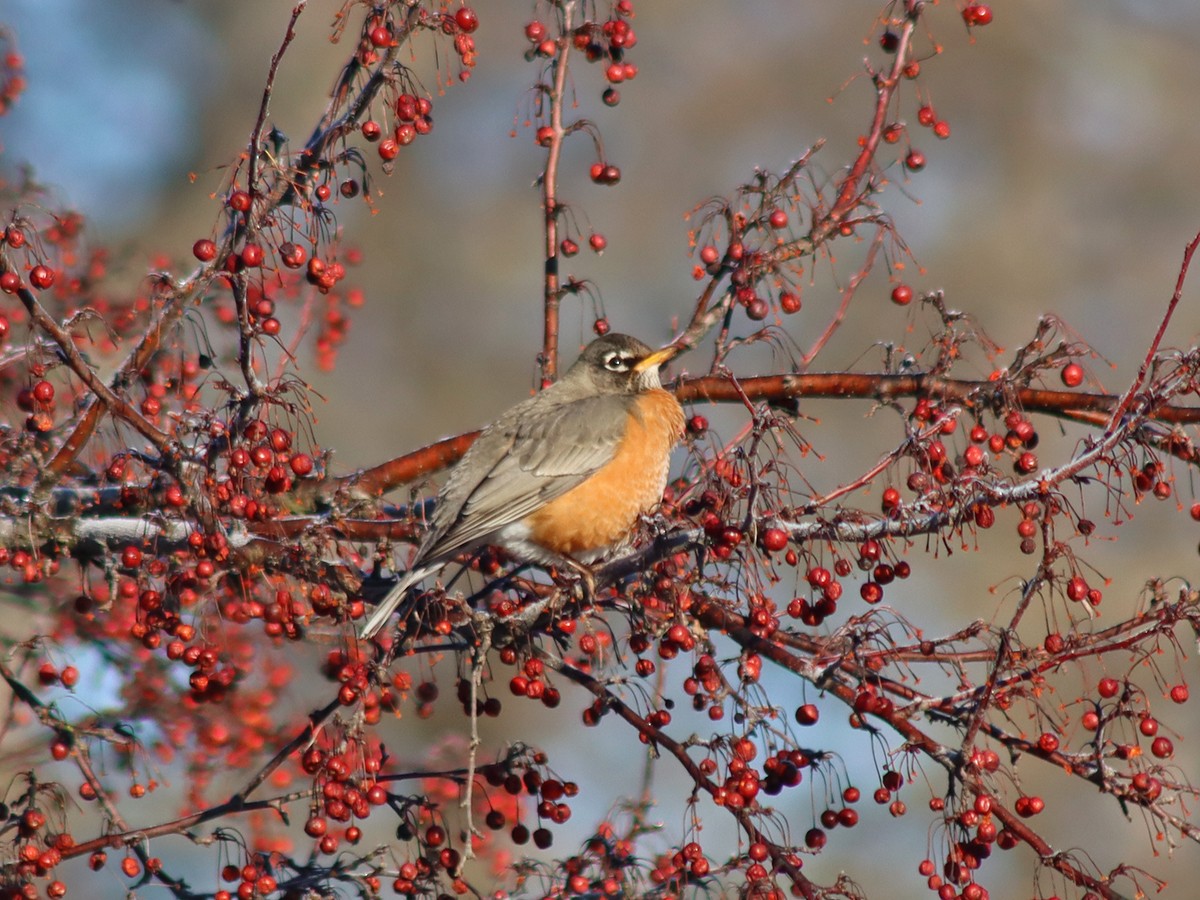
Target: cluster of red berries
column 570, row 247
column 12, row 76
column 550, row 794
column 347, row 791
column 39, row 851
column 260, row 461
column 38, row 401
column 461, row 25
column 253, row 879
column 606, row 41
column 378, row 35
column 531, row 680
column 413, row 119
column 41, row 276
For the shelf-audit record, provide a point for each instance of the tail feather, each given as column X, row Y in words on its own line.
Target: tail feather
column 392, row 600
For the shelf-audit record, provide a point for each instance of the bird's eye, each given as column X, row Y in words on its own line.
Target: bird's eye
column 616, row 362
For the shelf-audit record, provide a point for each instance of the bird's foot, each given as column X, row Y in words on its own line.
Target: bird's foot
column 584, row 588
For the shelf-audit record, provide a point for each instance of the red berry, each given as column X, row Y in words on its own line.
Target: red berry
column 252, row 256
column 926, row 116
column 380, row 36
column 41, row 277
column 15, row 237
column 1179, row 693
column 316, row 826
column 535, row 32
column 598, row 242
column 1077, row 589
column 293, row 255
column 941, row 130
column 131, row 557
column 1162, row 747
column 789, row 302
column 239, row 201
column 914, row 161
column 1026, row 463
column 388, row 149
column 10, row 282
column 407, row 108
column 902, row 295
column 778, row 218
column 204, row 250
column 808, row 714
column 977, row 14
column 467, row 20
column 1072, row 375
column 43, row 392
column 774, row 539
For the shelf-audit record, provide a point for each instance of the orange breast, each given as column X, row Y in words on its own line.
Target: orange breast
column 603, row 510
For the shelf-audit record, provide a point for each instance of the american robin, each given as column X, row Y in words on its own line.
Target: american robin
column 561, row 478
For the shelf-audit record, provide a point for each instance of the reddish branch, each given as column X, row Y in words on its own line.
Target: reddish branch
column 550, row 206
column 976, row 395
column 85, row 373
column 850, row 191
column 1143, row 371
column 378, row 480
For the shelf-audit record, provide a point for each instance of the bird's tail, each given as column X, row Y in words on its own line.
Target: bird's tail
column 392, row 600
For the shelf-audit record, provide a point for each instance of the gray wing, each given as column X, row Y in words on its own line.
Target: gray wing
column 529, row 456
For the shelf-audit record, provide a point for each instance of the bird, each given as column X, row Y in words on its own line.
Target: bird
column 561, row 478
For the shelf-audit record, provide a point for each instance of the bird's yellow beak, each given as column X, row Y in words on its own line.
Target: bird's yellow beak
column 656, row 359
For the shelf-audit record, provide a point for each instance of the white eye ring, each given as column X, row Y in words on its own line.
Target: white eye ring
column 615, row 362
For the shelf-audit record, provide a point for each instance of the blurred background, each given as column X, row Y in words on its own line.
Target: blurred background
column 1068, row 186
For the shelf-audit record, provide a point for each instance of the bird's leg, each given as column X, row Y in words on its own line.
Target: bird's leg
column 587, row 579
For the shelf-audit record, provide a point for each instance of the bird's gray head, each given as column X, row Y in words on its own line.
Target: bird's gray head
column 618, row 363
